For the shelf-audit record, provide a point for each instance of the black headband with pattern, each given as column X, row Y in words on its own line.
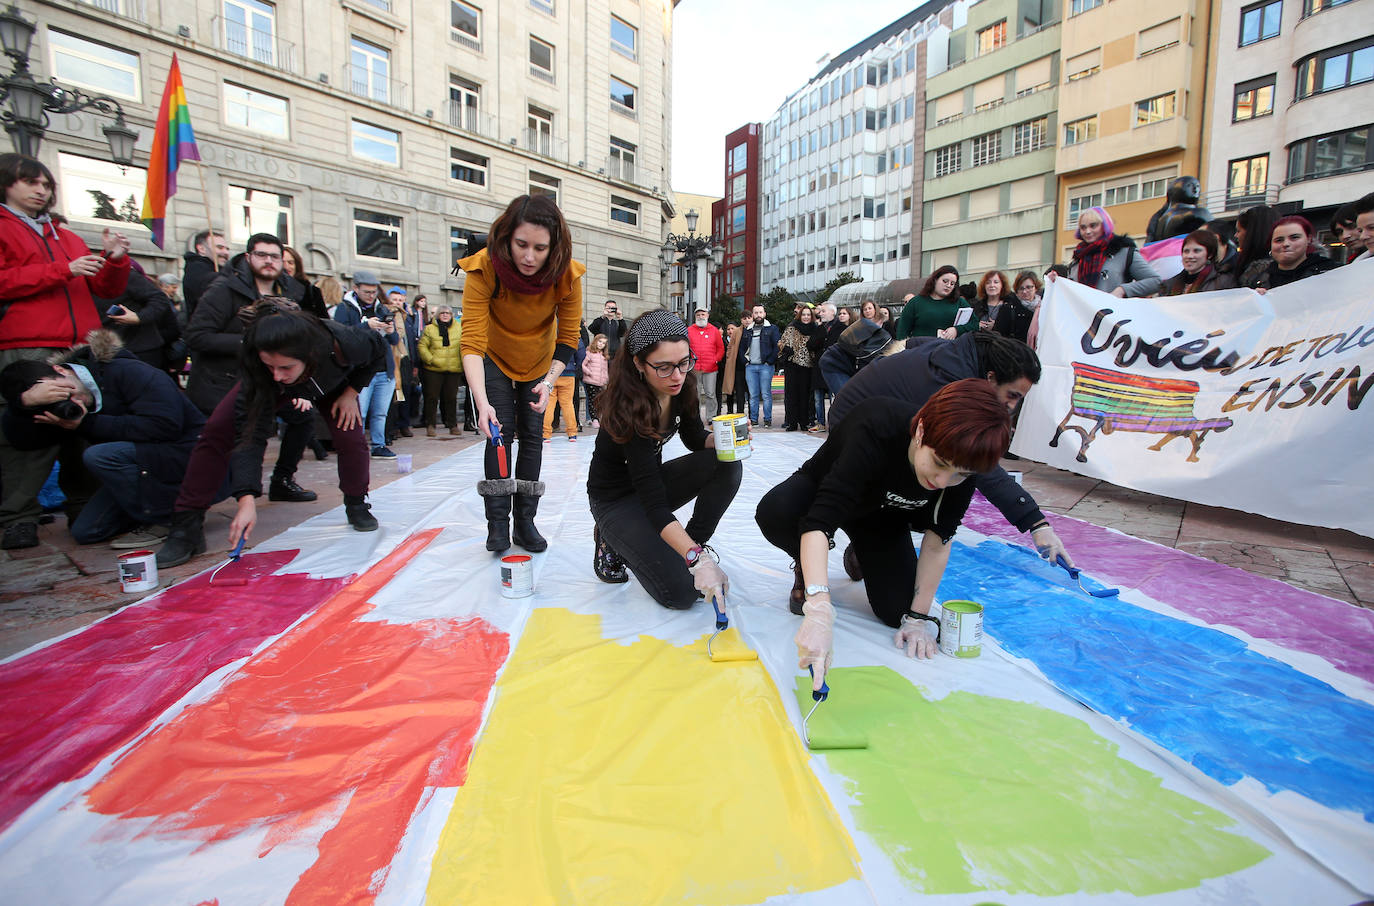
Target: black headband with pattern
column 654, row 327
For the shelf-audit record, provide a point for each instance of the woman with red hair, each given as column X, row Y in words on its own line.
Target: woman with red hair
column 1293, row 256
column 886, row 471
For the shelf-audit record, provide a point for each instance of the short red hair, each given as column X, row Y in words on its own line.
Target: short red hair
column 966, row 424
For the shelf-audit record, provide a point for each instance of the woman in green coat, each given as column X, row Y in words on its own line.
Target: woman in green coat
column 442, row 361
column 932, row 313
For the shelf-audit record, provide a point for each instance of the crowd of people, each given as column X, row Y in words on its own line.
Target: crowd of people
column 154, row 408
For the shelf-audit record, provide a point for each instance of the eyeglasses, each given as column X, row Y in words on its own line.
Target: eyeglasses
column 666, row 370
column 266, row 256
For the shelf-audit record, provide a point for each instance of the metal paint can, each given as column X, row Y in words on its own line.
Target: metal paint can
column 405, row 464
column 732, row 437
column 138, row 571
column 517, row 576
column 961, row 628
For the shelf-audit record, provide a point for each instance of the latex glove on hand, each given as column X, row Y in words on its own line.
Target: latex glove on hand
column 917, row 637
column 1048, row 545
column 709, row 579
column 816, row 639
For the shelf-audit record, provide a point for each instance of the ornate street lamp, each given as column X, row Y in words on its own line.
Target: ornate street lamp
column 30, row 101
column 689, row 249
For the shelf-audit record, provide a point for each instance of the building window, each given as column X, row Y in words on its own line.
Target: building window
column 464, row 103
column 992, row 37
column 256, row 111
column 622, row 160
column 250, row 30
column 1122, row 194
column 544, row 185
column 1030, row 136
column 458, row 239
column 1083, row 65
column 375, row 143
column 1349, row 64
column 738, row 187
column 737, row 218
column 1080, row 203
column 370, row 70
column 624, row 210
column 258, row 211
column 467, row 167
column 987, row 148
column 622, row 276
column 541, row 59
column 737, row 280
column 1260, row 22
column 99, row 190
column 466, row 24
column 738, row 158
column 1155, row 109
column 1253, row 98
column 1329, row 155
column 539, row 130
column 624, row 37
column 1312, row 7
column 1247, row 182
column 948, row 160
column 376, row 235
column 94, row 66
column 1082, row 6
column 1079, row 131
column 622, row 96
column 544, row 6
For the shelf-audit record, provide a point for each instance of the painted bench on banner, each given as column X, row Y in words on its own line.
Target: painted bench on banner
column 1118, row 401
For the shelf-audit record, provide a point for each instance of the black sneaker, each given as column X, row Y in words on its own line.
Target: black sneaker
column 287, row 490
column 359, row 513
column 768, row 423
column 606, row 563
column 20, row 535
column 382, row 453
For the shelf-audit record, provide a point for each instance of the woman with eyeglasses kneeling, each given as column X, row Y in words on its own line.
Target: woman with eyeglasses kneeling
column 651, row 395
column 888, row 470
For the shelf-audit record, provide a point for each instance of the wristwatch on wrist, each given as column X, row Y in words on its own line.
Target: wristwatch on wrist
column 813, row 590
column 693, row 556
column 546, row 383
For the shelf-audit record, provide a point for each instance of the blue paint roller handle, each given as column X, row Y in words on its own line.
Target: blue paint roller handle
column 722, row 621
column 237, row 552
column 495, row 435
column 818, row 695
column 1072, row 571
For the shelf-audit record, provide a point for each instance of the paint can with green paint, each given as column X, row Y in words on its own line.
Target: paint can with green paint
column 961, row 628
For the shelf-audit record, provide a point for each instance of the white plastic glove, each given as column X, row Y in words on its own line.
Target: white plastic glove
column 917, row 636
column 710, row 580
column 1049, row 545
column 816, row 639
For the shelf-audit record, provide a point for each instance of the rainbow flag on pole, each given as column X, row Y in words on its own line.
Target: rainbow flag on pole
column 173, row 142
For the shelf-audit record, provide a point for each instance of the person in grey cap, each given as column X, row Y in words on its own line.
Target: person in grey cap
column 360, row 308
column 650, row 396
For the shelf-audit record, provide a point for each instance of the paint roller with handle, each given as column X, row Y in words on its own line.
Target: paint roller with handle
column 234, row 556
column 505, row 486
column 833, row 740
column 729, row 653
column 1097, row 590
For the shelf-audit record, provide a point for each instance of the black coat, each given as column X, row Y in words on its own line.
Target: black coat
column 196, row 276
column 157, row 326
column 214, row 333
column 1013, row 319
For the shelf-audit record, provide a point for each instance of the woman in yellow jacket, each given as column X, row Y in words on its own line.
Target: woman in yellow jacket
column 443, row 370
column 521, row 305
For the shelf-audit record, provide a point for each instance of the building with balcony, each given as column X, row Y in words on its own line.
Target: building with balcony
column 685, row 285
column 1293, row 90
column 990, row 126
column 375, row 133
column 841, row 182
column 1132, row 107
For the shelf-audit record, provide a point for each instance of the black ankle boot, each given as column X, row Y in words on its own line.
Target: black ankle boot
column 498, row 523
column 359, row 513
column 524, row 532
column 185, row 539
column 286, row 489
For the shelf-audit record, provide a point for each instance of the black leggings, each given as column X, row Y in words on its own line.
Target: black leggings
column 882, row 541
column 626, row 528
column 511, row 399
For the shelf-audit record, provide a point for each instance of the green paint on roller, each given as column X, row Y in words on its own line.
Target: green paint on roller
column 972, row 793
column 825, row 727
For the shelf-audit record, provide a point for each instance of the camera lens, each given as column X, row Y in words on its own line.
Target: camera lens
column 64, row 409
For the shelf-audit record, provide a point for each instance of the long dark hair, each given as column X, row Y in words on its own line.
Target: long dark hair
column 538, row 210
column 279, row 326
column 628, row 406
column 1259, row 235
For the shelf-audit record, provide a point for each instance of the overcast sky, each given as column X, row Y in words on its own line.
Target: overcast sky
column 735, row 60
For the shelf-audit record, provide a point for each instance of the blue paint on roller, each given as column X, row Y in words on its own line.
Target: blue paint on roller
column 1201, row 693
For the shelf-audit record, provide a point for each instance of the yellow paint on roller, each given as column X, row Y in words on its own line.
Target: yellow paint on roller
column 640, row 773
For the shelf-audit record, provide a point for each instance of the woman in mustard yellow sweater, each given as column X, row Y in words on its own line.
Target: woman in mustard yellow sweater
column 521, row 305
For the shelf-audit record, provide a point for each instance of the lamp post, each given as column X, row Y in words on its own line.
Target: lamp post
column 30, row 101
column 696, row 253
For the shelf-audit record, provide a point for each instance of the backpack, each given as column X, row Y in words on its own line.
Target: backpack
column 864, row 340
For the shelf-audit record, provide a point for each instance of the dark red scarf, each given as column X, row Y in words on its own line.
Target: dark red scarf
column 1091, row 258
column 517, row 282
column 1196, row 280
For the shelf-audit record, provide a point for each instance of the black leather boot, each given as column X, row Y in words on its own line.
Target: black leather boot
column 498, row 523
column 524, row 533
column 286, row 489
column 185, row 539
column 359, row 513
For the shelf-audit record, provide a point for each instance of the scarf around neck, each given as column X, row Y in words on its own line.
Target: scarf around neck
column 1091, row 258
column 517, row 282
column 443, row 330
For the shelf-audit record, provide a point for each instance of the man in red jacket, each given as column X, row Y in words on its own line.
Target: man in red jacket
column 47, row 279
column 704, row 339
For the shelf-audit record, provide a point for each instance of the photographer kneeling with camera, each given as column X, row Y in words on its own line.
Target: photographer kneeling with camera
column 131, row 424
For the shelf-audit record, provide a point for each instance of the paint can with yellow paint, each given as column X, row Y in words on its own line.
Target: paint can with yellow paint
column 732, row 437
column 961, row 628
column 517, row 576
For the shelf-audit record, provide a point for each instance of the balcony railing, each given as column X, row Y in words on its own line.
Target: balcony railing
column 260, row 46
column 546, row 145
column 470, row 120
column 129, row 9
column 1237, row 198
column 366, row 84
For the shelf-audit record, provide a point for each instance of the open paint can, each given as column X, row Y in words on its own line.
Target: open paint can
column 517, row 576
column 138, row 571
column 961, row 628
column 732, row 437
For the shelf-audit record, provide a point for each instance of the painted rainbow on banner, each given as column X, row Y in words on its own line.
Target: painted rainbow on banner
column 173, row 141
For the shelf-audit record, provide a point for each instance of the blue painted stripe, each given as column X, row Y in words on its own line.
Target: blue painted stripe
column 1202, row 694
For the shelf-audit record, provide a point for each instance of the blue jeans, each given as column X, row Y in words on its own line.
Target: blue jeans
column 820, row 402
column 760, row 381
column 117, row 506
column 374, row 403
column 837, row 367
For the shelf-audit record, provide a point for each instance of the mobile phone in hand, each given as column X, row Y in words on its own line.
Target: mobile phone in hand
column 115, row 310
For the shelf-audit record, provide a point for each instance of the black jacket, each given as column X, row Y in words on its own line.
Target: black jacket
column 913, row 376
column 157, row 326
column 215, row 331
column 1265, row 272
column 196, row 276
column 139, row 404
column 1013, row 319
column 614, row 331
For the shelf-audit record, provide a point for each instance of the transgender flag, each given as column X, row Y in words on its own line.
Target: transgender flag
column 1166, row 256
column 173, row 142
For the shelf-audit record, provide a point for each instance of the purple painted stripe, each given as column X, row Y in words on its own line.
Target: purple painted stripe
column 1265, row 608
